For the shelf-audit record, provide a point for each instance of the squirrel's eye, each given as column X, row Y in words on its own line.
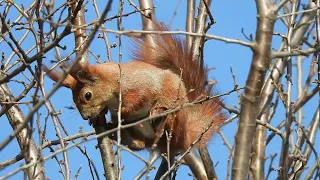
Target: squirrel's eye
column 88, row 96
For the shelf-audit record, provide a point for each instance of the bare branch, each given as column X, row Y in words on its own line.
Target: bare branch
column 57, row 85
column 260, row 63
column 279, row 6
column 197, row 43
column 190, row 21
column 148, row 22
column 105, row 144
column 29, row 149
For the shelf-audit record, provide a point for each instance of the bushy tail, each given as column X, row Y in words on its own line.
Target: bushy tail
column 170, row 52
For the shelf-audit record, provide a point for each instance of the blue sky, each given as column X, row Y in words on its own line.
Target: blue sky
column 231, row 17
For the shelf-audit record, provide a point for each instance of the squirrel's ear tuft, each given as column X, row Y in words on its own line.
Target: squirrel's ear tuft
column 69, row 82
column 86, row 77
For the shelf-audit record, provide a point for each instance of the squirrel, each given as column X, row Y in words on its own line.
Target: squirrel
column 163, row 75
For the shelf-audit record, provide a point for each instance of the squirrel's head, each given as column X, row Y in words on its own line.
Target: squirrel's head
column 89, row 90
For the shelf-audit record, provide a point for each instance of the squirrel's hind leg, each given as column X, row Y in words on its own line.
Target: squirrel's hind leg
column 129, row 137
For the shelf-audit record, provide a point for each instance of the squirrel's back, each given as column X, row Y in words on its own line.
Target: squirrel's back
column 142, row 84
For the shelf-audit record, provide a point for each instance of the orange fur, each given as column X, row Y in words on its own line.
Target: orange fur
column 170, row 52
column 69, row 81
column 143, row 88
column 164, row 77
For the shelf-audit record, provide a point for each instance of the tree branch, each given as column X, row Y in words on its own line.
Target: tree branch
column 260, row 64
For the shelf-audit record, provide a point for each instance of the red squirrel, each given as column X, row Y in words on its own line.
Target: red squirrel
column 162, row 76
column 95, row 89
